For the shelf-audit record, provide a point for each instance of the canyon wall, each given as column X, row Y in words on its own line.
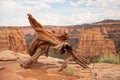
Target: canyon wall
column 92, row 42
column 89, row 42
column 89, row 39
column 12, row 39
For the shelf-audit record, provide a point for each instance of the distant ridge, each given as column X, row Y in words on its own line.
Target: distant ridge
column 103, row 22
column 107, row 22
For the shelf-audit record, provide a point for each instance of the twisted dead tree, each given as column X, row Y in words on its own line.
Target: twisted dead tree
column 46, row 39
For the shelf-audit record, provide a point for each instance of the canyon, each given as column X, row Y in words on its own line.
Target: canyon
column 12, row 39
column 89, row 39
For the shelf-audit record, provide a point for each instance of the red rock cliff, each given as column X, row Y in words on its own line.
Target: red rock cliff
column 92, row 42
column 12, row 39
column 91, row 39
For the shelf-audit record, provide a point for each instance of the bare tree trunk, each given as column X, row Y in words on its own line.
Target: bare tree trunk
column 33, row 59
column 44, row 40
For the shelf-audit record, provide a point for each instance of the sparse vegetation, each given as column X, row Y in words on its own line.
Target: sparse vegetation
column 68, row 71
column 110, row 58
column 95, row 60
column 107, row 58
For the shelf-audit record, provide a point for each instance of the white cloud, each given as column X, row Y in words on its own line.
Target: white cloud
column 96, row 10
column 58, row 19
column 13, row 12
column 52, row 1
column 104, row 3
column 111, row 14
column 73, row 3
column 98, row 3
column 77, row 3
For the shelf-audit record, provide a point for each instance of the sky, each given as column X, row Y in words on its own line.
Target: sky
column 58, row 12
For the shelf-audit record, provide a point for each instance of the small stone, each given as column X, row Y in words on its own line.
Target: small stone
column 1, row 67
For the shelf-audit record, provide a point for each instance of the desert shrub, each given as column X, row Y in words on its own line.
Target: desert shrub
column 110, row 58
column 94, row 60
column 68, row 71
column 107, row 58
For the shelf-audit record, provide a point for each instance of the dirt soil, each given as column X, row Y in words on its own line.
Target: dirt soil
column 47, row 69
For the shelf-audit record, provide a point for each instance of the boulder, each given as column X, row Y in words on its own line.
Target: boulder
column 7, row 56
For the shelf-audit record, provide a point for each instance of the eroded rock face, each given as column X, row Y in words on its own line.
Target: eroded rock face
column 94, row 42
column 96, row 38
column 90, row 41
column 114, row 34
column 12, row 39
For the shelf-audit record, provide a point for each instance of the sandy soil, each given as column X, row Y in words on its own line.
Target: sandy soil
column 47, row 69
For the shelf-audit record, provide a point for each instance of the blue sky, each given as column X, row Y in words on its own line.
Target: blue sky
column 58, row 12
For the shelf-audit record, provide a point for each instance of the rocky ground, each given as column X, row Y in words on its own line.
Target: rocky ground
column 47, row 69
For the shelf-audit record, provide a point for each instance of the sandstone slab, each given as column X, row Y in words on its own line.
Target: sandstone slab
column 7, row 56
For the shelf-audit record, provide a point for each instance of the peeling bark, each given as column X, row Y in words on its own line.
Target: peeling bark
column 44, row 40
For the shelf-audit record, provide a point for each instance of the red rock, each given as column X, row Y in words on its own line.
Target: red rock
column 7, row 56
column 94, row 38
column 46, row 69
column 92, row 43
column 11, row 39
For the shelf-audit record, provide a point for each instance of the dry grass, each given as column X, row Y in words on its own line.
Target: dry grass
column 107, row 58
column 110, row 58
column 68, row 71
